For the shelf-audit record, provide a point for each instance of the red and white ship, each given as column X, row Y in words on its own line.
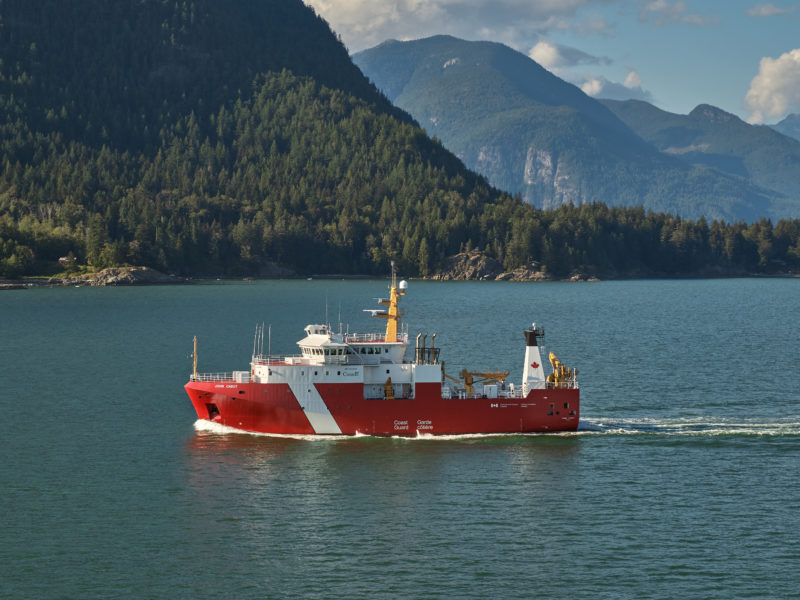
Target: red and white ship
column 349, row 383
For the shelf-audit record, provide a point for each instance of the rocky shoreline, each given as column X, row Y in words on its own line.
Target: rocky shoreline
column 106, row 277
column 475, row 265
column 465, row 266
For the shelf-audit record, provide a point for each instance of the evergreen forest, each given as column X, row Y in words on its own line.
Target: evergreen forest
column 206, row 138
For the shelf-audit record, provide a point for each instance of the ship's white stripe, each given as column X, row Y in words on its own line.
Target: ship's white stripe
column 312, row 404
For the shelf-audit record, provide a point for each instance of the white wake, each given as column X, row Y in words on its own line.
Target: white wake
column 694, row 427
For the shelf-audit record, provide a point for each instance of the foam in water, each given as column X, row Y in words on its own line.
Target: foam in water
column 681, row 427
column 687, row 427
column 219, row 429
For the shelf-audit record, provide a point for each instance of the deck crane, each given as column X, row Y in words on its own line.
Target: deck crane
column 468, row 378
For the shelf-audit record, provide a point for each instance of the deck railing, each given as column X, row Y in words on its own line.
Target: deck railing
column 453, row 391
column 351, row 338
column 212, row 377
column 263, row 359
column 234, row 377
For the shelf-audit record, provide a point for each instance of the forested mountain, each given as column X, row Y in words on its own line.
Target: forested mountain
column 715, row 138
column 530, row 132
column 789, row 126
column 206, row 137
column 115, row 73
column 210, row 137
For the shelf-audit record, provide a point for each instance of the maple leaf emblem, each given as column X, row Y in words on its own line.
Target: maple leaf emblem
column 535, row 365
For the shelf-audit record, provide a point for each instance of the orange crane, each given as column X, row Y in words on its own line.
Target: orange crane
column 468, row 378
column 561, row 375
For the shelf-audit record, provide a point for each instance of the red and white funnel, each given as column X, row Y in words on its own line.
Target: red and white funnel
column 533, row 372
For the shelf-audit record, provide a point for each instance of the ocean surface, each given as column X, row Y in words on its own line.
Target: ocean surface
column 682, row 482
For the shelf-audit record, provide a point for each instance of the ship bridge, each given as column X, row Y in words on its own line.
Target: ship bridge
column 323, row 346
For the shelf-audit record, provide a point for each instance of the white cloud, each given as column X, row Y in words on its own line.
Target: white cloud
column 632, row 80
column 631, row 89
column 365, row 23
column 546, row 54
column 768, row 9
column 554, row 56
column 593, row 85
column 775, row 91
column 662, row 12
column 559, row 59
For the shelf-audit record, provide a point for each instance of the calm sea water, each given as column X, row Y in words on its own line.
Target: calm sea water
column 683, row 481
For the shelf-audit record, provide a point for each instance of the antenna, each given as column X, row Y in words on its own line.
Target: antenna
column 269, row 339
column 194, row 359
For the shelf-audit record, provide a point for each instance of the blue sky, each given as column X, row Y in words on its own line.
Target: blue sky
column 742, row 56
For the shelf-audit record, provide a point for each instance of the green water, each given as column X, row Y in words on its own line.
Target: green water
column 681, row 483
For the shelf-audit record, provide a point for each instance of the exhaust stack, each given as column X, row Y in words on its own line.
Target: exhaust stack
column 533, row 372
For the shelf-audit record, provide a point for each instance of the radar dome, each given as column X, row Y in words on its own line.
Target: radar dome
column 403, row 285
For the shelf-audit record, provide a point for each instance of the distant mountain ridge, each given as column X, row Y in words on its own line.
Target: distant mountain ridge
column 789, row 126
column 531, row 133
column 406, row 67
column 710, row 136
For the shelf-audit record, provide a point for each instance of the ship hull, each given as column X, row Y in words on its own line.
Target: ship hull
column 273, row 408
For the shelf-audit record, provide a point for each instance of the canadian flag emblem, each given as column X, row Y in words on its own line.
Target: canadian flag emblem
column 535, row 365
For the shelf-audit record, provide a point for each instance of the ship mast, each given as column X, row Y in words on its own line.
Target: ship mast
column 194, row 359
column 393, row 314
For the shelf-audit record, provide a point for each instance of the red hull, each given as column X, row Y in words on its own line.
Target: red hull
column 272, row 408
